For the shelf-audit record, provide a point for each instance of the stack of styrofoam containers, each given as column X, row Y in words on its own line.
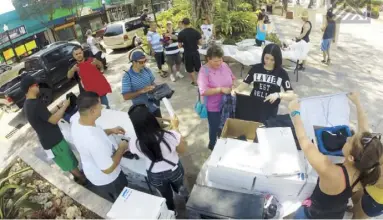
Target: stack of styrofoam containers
column 262, row 167
column 133, row 204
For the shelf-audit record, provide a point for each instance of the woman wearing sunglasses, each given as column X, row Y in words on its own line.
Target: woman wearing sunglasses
column 160, row 149
column 337, row 182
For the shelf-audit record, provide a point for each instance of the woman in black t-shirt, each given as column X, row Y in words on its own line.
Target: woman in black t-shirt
column 267, row 78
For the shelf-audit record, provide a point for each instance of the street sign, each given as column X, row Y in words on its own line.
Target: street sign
column 13, row 34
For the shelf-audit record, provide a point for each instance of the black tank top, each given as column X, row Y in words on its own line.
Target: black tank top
column 325, row 206
column 306, row 37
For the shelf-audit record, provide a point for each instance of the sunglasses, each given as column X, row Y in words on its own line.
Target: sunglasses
column 142, row 62
column 367, row 140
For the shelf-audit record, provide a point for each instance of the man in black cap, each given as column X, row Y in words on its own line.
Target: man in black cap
column 189, row 39
column 45, row 125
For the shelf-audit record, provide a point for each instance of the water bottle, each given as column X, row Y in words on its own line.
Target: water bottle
column 263, row 45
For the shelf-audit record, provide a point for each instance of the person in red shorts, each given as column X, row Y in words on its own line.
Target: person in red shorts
column 92, row 80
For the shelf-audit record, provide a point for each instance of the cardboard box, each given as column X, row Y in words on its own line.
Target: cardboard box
column 234, row 128
column 133, row 204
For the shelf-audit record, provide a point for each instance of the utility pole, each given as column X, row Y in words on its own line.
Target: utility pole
column 5, row 27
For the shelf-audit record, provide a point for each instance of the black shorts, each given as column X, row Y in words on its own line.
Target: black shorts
column 370, row 206
column 259, row 42
column 192, row 62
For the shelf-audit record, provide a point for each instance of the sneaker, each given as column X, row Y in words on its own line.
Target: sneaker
column 172, row 78
column 194, row 84
column 328, row 62
column 179, row 75
column 324, row 61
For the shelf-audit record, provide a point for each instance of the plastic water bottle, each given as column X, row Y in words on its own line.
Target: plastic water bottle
column 263, row 45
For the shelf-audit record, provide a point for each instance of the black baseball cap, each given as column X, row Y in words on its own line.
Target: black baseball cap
column 26, row 82
column 186, row 21
column 330, row 14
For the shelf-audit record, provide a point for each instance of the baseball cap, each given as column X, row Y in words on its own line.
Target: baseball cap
column 186, row 21
column 26, row 82
column 137, row 55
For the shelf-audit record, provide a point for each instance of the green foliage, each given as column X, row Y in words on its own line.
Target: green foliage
column 273, row 37
column 245, row 7
column 180, row 10
column 14, row 198
column 375, row 12
column 377, row 2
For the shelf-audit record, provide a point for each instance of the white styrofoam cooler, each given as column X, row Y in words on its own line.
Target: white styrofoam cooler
column 239, row 165
column 133, row 204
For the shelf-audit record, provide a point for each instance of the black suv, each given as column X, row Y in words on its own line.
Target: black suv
column 49, row 66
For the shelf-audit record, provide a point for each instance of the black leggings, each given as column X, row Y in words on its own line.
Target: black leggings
column 160, row 59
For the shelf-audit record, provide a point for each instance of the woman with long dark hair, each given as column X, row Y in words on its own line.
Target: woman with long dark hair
column 160, row 149
column 337, row 182
column 267, row 79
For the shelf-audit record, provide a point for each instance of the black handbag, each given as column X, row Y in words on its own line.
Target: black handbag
column 160, row 92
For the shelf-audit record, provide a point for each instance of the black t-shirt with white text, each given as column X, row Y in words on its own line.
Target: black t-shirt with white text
column 38, row 115
column 267, row 82
column 189, row 38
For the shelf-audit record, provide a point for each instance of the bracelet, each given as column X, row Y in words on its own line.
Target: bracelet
column 295, row 113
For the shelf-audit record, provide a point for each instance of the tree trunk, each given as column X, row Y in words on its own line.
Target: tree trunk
column 285, row 6
column 201, row 8
column 231, row 5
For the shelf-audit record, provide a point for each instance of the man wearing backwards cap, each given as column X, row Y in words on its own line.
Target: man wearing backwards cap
column 138, row 81
column 45, row 125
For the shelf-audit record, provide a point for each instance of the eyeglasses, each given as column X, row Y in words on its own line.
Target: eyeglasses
column 367, row 140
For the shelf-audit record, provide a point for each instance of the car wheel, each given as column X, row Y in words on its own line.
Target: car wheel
column 21, row 71
column 46, row 96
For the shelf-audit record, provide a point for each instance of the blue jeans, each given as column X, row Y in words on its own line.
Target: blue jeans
column 168, row 181
column 214, row 119
column 104, row 101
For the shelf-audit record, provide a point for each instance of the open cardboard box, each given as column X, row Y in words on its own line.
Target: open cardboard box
column 234, row 128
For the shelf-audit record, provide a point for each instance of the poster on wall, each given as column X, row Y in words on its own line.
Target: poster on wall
column 13, row 34
column 8, row 54
column 31, row 45
column 20, row 50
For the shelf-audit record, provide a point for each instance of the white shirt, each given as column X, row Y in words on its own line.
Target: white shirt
column 207, row 30
column 92, row 44
column 96, row 151
column 173, row 141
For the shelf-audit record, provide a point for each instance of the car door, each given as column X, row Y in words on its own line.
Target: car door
column 58, row 62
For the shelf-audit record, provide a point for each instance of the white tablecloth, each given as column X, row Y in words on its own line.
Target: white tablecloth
column 112, row 118
column 253, row 54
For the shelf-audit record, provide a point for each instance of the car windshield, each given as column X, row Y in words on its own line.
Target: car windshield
column 113, row 30
column 132, row 25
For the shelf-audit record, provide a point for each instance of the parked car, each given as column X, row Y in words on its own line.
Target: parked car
column 49, row 66
column 8, row 72
column 123, row 34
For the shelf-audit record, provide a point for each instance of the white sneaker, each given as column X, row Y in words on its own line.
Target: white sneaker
column 172, row 78
column 179, row 75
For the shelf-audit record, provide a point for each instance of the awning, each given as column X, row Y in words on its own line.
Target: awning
column 70, row 24
column 22, row 37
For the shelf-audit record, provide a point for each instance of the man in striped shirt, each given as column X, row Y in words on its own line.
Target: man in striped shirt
column 156, row 48
column 172, row 52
